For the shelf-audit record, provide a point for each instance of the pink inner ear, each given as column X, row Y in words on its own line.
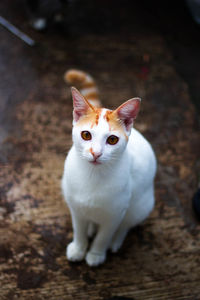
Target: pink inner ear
column 128, row 111
column 80, row 104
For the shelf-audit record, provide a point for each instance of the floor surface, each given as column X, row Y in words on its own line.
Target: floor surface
column 131, row 50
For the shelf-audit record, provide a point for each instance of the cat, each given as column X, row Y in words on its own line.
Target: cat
column 108, row 179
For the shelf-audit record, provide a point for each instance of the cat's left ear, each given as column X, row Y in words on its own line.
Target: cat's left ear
column 128, row 111
column 80, row 104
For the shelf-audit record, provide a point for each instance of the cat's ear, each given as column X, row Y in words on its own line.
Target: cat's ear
column 80, row 104
column 128, row 111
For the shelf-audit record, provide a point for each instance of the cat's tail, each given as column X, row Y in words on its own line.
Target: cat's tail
column 85, row 84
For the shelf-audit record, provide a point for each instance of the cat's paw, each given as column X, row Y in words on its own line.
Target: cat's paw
column 94, row 259
column 75, row 253
column 118, row 240
column 116, row 244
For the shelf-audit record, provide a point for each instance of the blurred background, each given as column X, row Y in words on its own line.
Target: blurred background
column 149, row 49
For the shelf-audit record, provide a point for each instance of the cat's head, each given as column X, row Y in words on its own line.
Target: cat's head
column 101, row 135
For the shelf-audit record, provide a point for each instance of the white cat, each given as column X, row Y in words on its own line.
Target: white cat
column 108, row 180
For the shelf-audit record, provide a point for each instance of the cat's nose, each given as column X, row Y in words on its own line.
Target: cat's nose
column 96, row 155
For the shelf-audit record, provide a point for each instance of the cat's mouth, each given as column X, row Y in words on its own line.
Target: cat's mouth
column 95, row 162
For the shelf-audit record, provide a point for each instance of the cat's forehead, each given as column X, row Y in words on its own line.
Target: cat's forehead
column 102, row 118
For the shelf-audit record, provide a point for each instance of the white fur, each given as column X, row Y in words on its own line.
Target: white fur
column 110, row 197
column 86, row 91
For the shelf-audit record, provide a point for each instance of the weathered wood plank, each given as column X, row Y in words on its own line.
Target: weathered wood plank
column 160, row 259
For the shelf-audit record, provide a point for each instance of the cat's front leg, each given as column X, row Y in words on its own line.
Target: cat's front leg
column 97, row 253
column 76, row 250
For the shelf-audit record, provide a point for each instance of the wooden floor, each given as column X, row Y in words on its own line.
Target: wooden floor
column 161, row 258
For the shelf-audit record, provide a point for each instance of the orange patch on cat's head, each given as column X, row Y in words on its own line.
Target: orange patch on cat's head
column 114, row 122
column 91, row 117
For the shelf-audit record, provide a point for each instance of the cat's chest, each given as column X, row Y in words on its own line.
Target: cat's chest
column 98, row 193
column 99, row 203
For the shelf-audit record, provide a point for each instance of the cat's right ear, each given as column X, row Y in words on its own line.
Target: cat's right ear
column 80, row 104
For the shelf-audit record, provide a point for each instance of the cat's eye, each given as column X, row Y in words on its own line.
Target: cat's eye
column 112, row 140
column 86, row 135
